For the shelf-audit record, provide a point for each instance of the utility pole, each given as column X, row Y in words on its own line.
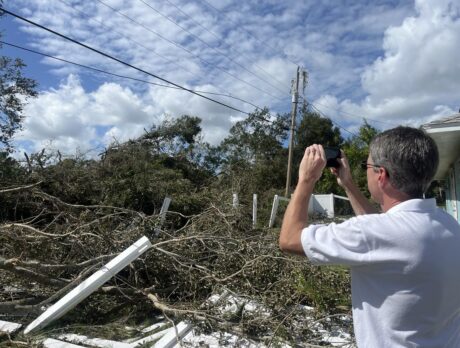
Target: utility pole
column 295, row 98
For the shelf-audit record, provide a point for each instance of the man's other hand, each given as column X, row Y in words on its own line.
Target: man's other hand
column 313, row 163
column 343, row 172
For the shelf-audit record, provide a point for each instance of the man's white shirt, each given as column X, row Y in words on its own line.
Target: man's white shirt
column 405, row 269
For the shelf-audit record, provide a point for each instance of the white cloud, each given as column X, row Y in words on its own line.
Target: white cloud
column 113, row 104
column 416, row 80
column 394, row 62
column 70, row 117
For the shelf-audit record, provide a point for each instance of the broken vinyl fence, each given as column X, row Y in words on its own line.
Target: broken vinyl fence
column 90, row 285
column 319, row 204
column 236, row 203
column 159, row 335
column 166, row 339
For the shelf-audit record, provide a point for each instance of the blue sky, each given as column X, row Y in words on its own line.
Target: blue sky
column 392, row 62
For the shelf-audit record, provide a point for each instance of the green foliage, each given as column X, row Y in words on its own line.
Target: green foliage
column 176, row 136
column 11, row 172
column 254, row 154
column 327, row 288
column 315, row 129
column 74, row 180
column 357, row 150
column 14, row 90
column 255, row 139
column 134, row 177
column 11, row 175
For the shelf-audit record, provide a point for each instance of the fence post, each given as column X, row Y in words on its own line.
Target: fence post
column 235, row 201
column 164, row 210
column 331, row 204
column 254, row 210
column 274, row 211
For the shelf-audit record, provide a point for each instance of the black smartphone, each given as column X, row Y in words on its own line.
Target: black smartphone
column 332, row 153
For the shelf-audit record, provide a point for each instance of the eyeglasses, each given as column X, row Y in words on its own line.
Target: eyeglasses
column 365, row 165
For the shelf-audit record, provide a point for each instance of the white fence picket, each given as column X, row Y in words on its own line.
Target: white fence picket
column 90, row 285
column 164, row 210
column 254, row 210
column 236, row 201
column 173, row 336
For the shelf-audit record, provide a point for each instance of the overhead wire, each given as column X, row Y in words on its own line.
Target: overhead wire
column 118, row 60
column 186, row 50
column 223, row 54
column 264, row 43
column 356, row 116
column 176, row 86
column 334, row 122
column 135, row 79
column 220, row 94
column 227, row 94
column 218, row 38
column 126, row 37
column 344, row 112
column 248, row 32
column 347, row 113
column 121, row 76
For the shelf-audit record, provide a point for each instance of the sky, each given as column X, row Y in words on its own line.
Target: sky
column 391, row 62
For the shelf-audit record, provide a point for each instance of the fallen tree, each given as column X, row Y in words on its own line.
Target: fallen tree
column 212, row 253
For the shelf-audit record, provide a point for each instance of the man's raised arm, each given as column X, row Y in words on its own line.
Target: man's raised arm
column 296, row 215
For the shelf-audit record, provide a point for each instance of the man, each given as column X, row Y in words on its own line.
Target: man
column 405, row 261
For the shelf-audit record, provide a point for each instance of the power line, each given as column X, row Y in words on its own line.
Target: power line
column 219, row 38
column 125, row 37
column 136, row 79
column 249, row 33
column 356, row 116
column 337, row 124
column 186, row 50
column 144, row 47
column 119, row 60
column 208, row 45
column 121, row 76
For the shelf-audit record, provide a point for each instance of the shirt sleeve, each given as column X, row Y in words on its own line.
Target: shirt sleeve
column 335, row 244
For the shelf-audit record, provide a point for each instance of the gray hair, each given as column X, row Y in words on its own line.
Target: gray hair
column 409, row 156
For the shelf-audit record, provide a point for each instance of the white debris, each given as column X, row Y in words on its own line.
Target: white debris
column 9, row 327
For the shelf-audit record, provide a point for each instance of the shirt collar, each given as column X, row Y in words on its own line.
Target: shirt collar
column 414, row 205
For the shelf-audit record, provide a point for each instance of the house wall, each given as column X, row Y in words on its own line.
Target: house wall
column 453, row 190
column 457, row 186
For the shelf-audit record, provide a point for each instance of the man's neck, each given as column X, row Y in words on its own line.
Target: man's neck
column 390, row 201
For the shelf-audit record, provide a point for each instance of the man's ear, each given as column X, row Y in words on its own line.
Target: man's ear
column 383, row 178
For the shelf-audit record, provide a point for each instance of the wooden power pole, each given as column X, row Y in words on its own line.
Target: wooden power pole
column 295, row 98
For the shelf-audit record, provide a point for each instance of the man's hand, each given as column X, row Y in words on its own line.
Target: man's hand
column 359, row 202
column 343, row 172
column 296, row 215
column 313, row 163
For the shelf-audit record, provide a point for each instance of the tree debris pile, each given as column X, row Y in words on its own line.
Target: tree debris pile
column 214, row 252
column 63, row 218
